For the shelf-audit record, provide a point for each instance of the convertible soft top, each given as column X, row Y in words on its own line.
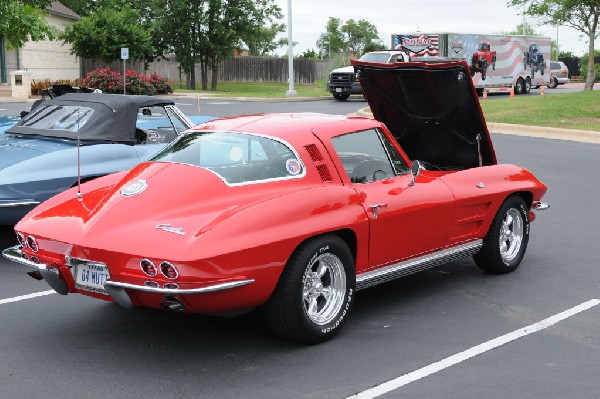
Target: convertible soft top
column 89, row 116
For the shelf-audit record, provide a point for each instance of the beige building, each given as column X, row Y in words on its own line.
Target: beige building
column 48, row 59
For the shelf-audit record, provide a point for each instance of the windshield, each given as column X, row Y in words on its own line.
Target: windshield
column 237, row 158
column 375, row 57
column 482, row 47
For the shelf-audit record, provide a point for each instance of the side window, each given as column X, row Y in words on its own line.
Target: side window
column 157, row 125
column 367, row 156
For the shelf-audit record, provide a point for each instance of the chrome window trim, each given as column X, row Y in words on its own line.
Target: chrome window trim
column 11, row 204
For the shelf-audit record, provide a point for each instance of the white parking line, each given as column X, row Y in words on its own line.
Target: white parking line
column 406, row 379
column 24, row 297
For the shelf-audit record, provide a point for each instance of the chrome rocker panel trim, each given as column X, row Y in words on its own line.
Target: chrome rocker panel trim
column 369, row 279
column 12, row 204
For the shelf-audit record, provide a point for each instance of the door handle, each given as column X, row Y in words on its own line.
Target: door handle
column 375, row 208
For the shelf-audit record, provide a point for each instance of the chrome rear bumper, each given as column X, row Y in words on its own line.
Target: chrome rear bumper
column 540, row 206
column 49, row 272
column 117, row 290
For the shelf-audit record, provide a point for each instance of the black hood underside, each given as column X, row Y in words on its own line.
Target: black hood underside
column 432, row 110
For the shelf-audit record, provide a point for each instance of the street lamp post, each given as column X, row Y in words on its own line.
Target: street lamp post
column 291, row 92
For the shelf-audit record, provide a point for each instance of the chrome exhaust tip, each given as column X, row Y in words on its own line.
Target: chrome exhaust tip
column 172, row 303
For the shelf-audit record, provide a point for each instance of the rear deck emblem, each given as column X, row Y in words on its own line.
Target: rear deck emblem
column 134, row 188
column 170, row 229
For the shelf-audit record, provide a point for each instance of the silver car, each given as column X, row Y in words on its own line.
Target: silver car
column 559, row 74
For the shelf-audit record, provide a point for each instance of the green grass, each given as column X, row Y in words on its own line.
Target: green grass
column 260, row 89
column 579, row 110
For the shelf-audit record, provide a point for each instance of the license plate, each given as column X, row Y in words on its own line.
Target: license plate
column 338, row 89
column 91, row 277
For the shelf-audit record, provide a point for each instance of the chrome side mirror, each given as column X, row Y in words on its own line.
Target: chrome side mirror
column 415, row 170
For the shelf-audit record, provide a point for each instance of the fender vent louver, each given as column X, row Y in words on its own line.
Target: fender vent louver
column 318, row 160
column 314, row 153
column 324, row 172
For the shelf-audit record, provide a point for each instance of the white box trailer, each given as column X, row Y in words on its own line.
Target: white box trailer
column 495, row 61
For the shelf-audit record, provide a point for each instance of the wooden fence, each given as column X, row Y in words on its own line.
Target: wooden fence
column 239, row 69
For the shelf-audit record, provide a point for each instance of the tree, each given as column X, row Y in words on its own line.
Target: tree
column 355, row 37
column 332, row 41
column 581, row 15
column 207, row 31
column 523, row 29
column 585, row 59
column 24, row 20
column 359, row 35
column 102, row 33
column 262, row 39
column 310, row 54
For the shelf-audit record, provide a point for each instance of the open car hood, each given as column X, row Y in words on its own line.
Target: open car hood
column 432, row 110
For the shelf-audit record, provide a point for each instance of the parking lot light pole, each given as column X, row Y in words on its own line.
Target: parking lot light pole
column 291, row 92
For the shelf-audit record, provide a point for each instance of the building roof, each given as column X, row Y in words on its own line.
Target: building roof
column 59, row 9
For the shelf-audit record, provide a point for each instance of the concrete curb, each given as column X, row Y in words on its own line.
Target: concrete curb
column 584, row 136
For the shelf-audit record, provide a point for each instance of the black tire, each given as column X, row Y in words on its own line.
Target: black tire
column 506, row 241
column 483, row 72
column 289, row 312
column 519, row 86
column 553, row 83
column 479, row 92
column 527, row 88
column 341, row 97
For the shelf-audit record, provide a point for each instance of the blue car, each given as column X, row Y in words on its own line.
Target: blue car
column 96, row 134
column 6, row 122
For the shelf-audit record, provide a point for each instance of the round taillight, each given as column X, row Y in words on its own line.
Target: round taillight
column 35, row 259
column 152, row 284
column 24, row 256
column 32, row 243
column 168, row 270
column 21, row 239
column 148, row 267
column 171, row 286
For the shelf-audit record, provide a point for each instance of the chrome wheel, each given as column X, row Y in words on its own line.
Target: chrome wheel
column 506, row 240
column 315, row 292
column 324, row 288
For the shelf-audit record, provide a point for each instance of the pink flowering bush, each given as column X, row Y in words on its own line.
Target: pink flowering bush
column 136, row 83
column 161, row 84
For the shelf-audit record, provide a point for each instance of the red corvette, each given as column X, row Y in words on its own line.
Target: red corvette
column 294, row 213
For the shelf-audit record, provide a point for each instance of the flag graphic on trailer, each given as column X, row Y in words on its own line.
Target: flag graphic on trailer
column 419, row 45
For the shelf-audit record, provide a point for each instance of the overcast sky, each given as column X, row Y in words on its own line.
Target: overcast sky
column 429, row 16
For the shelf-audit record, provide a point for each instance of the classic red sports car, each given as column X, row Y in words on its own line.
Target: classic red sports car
column 294, row 213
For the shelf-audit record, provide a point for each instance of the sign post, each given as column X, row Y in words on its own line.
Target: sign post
column 124, row 57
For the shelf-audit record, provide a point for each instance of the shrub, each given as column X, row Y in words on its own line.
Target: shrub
column 161, row 84
column 139, row 84
column 112, row 82
column 105, row 80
